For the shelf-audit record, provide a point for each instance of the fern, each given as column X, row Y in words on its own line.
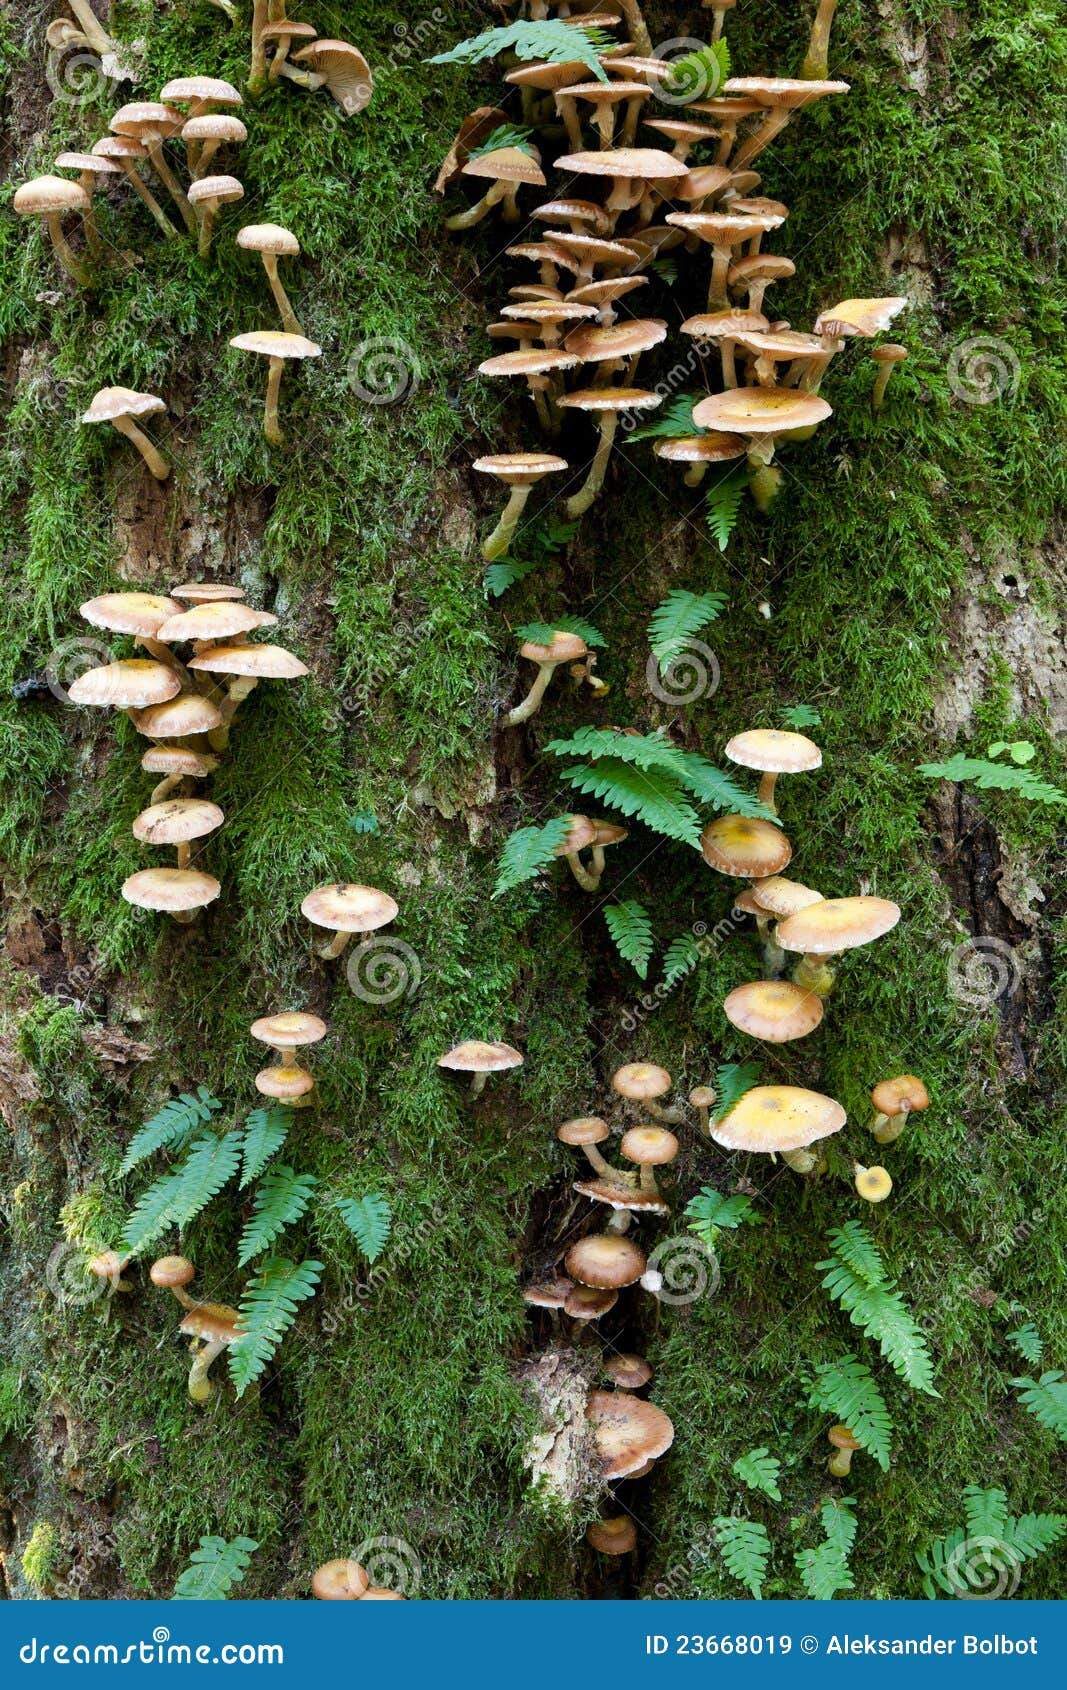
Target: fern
column 178, row 1197
column 746, row 1548
column 541, row 632
column 759, row 1470
column 150, row 1217
column 550, row 40
column 824, row 1571
column 265, row 1132
column 281, row 1199
column 678, row 619
column 998, row 777
column 505, row 135
column 653, row 796
column 709, row 1213
column 713, row 786
column 699, row 75
column 268, row 1309
column 630, row 926
column 673, row 422
column 856, row 1278
column 1029, row 1343
column 214, row 1569
column 370, row 1220
column 528, row 851
column 1046, row 1400
column 171, row 1127
column 732, row 1080
column 666, row 269
column 543, row 544
column 977, row 1558
column 723, row 504
column 847, row 1390
column 799, row 716
column 681, row 958
column 985, row 1511
column 500, row 576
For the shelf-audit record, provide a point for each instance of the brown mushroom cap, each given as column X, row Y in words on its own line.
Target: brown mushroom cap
column 215, row 1323
column 627, row 1370
column 131, row 684
column 476, row 128
column 188, row 714
column 263, row 662
column 349, row 908
column 616, row 1536
column 837, row 924
column 177, row 819
column 289, row 1030
column 760, row 410
column 340, row 1581
column 594, row 345
column 170, row 1271
column 649, row 1146
column 621, row 1197
column 146, row 117
column 783, row 897
column 725, row 325
column 842, row 1438
column 547, row 77
column 628, row 1430
column 170, row 889
column 565, row 648
column 196, row 90
column 480, row 1056
column 107, row 1265
column 605, row 1260
column 593, row 249
column 725, row 228
column 587, row 1302
column 506, row 164
column 700, row 449
column 746, row 846
column 863, row 317
column 206, row 592
column 612, row 399
column 220, row 619
column 775, row 1010
column 47, row 194
column 607, row 291
column 900, row 1096
column 96, row 162
column 520, row 469
column 286, row 1084
column 129, row 613
column 609, row 833
column 574, row 211
column 776, row 1118
column 548, row 1295
column 217, row 190
column 379, row 1593
column 778, row 92
column 583, row 1129
column 176, row 760
column 215, row 126
column 534, row 362
column 531, row 314
column 636, row 164
column 760, row 267
column 774, row 750
column 112, row 402
column 641, row 1080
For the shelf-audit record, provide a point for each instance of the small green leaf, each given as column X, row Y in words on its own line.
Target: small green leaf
column 723, row 504
column 732, row 1081
column 759, row 1470
column 528, row 851
column 799, row 716
column 369, row 1219
column 630, row 925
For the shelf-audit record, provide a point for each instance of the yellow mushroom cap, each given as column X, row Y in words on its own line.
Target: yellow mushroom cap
column 170, row 1271
column 520, row 469
column 340, row 1581
column 629, row 1432
column 583, row 1129
column 176, row 820
column 616, row 1536
column 900, row 1096
column 132, row 684
column 108, row 1264
column 177, row 717
column 215, row 1323
column 842, row 1438
column 269, row 238
column 775, row 1118
column 289, row 1030
column 873, row 1184
column 774, row 1010
column 219, row 619
column 170, row 889
column 837, row 924
column 641, row 1080
column 129, row 613
column 760, row 410
column 649, row 1147
column 779, row 896
column 864, row 317
column 284, row 1083
column 175, row 760
column 349, row 908
column 745, row 846
column 479, row 1056
column 605, row 1260
column 506, row 164
column 774, row 751
column 261, row 662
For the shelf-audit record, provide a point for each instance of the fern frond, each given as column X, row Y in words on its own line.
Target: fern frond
column 847, row 1390
column 732, row 1080
column 214, row 1569
column 630, row 926
column 172, row 1126
column 839, row 1523
column 506, row 135
column 268, row 1308
column 1031, row 1534
column 973, row 1559
column 1029, row 1343
column 998, row 777
column 281, row 1199
column 759, row 1470
column 1046, row 1400
column 857, row 1249
column 723, row 504
column 674, row 421
column 645, row 751
column 799, row 716
column 369, row 1219
column 681, row 958
column 500, row 576
column 709, row 1213
column 746, row 1548
column 265, row 1132
column 541, row 633
column 652, row 796
column 856, row 1278
column 698, row 75
column 679, row 618
column 174, row 1200
column 550, row 40
column 715, row 787
column 823, row 1572
column 985, row 1512
column 528, row 851
column 150, row 1216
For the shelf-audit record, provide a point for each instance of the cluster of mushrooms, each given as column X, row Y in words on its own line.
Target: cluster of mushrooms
column 316, row 62
column 348, row 1581
column 623, row 206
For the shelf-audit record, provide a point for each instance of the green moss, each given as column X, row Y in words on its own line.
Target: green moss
column 40, row 1555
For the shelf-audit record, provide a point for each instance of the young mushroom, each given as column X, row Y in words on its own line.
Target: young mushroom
column 628, row 1371
column 762, row 416
column 606, row 404
column 703, row 1099
column 643, row 1083
column 780, row 1121
column 831, row 926
column 124, row 151
column 779, row 97
column 605, row 1262
column 520, row 472
column 872, row 1184
column 278, row 347
column 213, row 1327
column 109, row 1265
column 48, row 197
column 139, row 614
column 338, row 67
column 614, row 1536
column 245, row 665
column 774, row 752
column 506, row 168
column 281, row 36
column 650, row 1148
column 564, row 648
column 208, row 194
column 272, row 242
column 345, row 910
column 287, row 1034
column 745, row 846
column 203, row 136
column 894, row 1101
column 843, row 1445
column 479, row 1058
column 152, row 123
column 177, row 766
column 177, row 821
column 173, row 1274
column 586, row 1132
column 119, row 406
column 886, row 357
column 340, row 1581
column 774, row 1010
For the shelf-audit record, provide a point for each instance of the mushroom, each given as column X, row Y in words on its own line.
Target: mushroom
column 724, row 327
column 650, row 1148
column 178, row 717
column 629, row 1432
column 778, row 896
column 605, row 295
column 844, row 1444
column 92, row 33
column 119, row 406
column 745, row 846
column 607, row 834
column 152, row 124
column 213, row 621
column 200, row 94
column 780, row 1121
column 684, row 133
column 872, row 1184
column 828, row 927
column 762, row 415
column 278, row 347
column 340, row 1581
column 287, row 1034
column 806, row 354
column 774, row 1010
column 615, row 1536
column 605, row 403
column 780, row 98
column 774, row 752
column 480, row 1058
column 583, row 253
column 534, row 366
column 551, row 1296
column 282, row 34
column 894, row 1100
column 746, row 903
column 344, row 910
column 177, row 766
column 756, row 274
column 605, row 1261
column 886, row 356
column 272, row 242
column 581, row 833
column 576, row 215
column 586, row 1302
column 520, row 472
column 203, row 136
column 631, row 169
column 123, row 150
column 603, row 97
column 206, row 592
column 586, row 1132
column 139, row 614
column 702, row 1099
column 208, row 194
column 246, row 665
column 724, row 232
column 49, row 197
column 109, row 1265
column 621, row 1193
column 213, row 1327
column 178, row 892
column 177, row 821
column 340, row 68
column 630, row 1372
column 564, row 648
column 91, row 168
column 728, row 111
column 506, row 168
column 287, row 1083
column 698, row 451
column 134, row 683
column 617, row 345
column 643, row 1083
column 173, row 1274
column 475, row 129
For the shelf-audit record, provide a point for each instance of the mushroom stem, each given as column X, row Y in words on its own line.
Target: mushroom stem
column 207, row 224
column 670, row 1117
column 814, row 973
column 257, row 69
column 721, row 259
column 201, row 1388
column 98, row 38
column 647, row 1180
column 587, row 881
column 478, row 1084
column 145, row 194
column 185, row 851
column 729, row 363
column 598, row 1163
column 334, row 947
column 63, row 250
column 92, row 233
column 271, row 426
column 888, row 1128
column 801, row 1161
column 165, row 787
column 881, row 382
column 532, row 702
column 467, row 219
column 501, row 537
column 766, row 790
column 594, row 481
column 840, row 1463
column 619, row 1222
column 764, row 479
column 171, row 183
column 816, row 61
column 303, row 78
column 281, row 54
column 290, row 321
column 769, row 130
column 157, row 464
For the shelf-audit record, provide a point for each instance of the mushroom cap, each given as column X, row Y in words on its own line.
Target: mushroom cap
column 842, row 1438
column 548, row 77
column 746, row 903
column 864, row 317
column 702, row 1097
column 624, row 63
column 783, row 897
column 130, row 684
column 289, row 1030
column 700, row 449
column 550, row 311
column 609, row 833
column 99, row 165
column 112, row 402
column 628, row 1430
column 548, row 1295
column 565, row 648
column 219, row 189
column 649, row 1146
column 346, row 908
column 185, row 90
column 633, row 164
column 263, row 662
column 612, row 399
column 481, row 1056
column 761, row 266
column 47, row 194
column 506, row 164
column 176, row 820
column 169, row 1271
column 565, row 246
column 146, row 117
column 214, row 126
column 129, row 613
column 724, row 228
column 347, row 73
column 705, row 181
column 641, row 1080
column 628, row 1370
column 889, row 353
column 760, row 410
column 774, row 1010
column 187, row 714
column 566, row 210
column 746, row 846
column 274, row 343
column 616, row 1536
column 176, row 760
column 782, row 344
column 119, row 146
column 776, row 92
column 107, row 1265
column 774, row 1118
column 535, row 362
column 206, row 592
column 520, row 469
column 607, row 93
column 682, row 129
column 219, row 619
column 476, row 128
column 583, row 1129
column 873, row 1184
column 268, row 237
column 284, row 1083
column 587, row 1302
column 774, row 750
column 837, row 924
column 340, row 1581
column 605, row 1260
column 379, row 1593
column 286, row 28
column 620, row 1196
column 900, row 1096
column 170, row 889
column 618, row 340
column 607, row 291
